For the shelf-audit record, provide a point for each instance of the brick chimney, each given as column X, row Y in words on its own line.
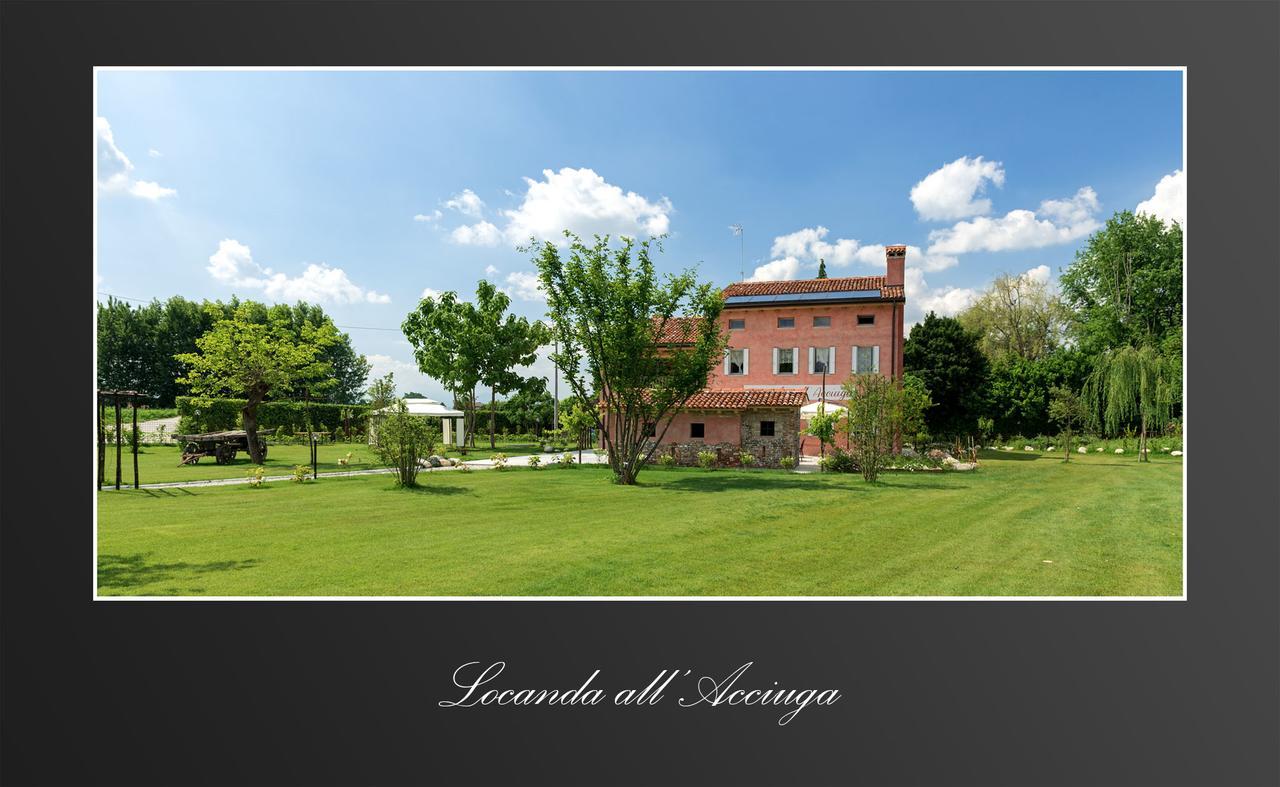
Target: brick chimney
column 895, row 259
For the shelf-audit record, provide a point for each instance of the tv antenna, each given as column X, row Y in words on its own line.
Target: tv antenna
column 742, row 268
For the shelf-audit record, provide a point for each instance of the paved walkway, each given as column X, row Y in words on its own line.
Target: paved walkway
column 588, row 458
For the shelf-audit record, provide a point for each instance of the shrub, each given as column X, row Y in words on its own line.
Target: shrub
column 566, row 460
column 499, row 461
column 787, row 462
column 209, row 414
column 747, row 459
column 839, row 461
column 257, row 476
column 300, row 474
column 534, row 462
column 667, row 461
column 402, row 441
column 707, row 459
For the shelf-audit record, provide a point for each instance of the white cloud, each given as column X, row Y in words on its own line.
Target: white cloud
column 583, row 202
column 949, row 193
column 480, row 234
column 490, row 271
column 115, row 170
column 466, row 203
column 806, row 246
column 233, row 264
column 382, row 364
column 434, row 215
column 1058, row 221
column 153, row 153
column 430, row 293
column 1039, row 274
column 778, row 270
column 946, row 301
column 525, row 286
column 1169, row 202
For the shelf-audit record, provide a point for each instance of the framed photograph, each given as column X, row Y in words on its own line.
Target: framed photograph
column 713, row 393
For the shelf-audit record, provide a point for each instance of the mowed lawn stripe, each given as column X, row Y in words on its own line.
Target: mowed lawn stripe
column 1110, row 526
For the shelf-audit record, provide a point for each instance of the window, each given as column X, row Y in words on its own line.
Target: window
column 866, row 359
column 822, row 322
column 866, row 319
column 786, row 322
column 822, row 359
column 697, row 430
column 737, row 325
column 766, row 428
column 735, row 362
column 784, row 360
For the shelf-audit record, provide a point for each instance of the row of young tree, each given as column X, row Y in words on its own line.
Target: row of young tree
column 1104, row 353
column 140, row 347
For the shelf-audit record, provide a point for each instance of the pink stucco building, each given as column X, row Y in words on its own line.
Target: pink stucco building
column 782, row 336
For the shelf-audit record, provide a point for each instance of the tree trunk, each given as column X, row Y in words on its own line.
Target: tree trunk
column 249, row 418
column 1142, row 440
column 493, row 417
column 1066, row 453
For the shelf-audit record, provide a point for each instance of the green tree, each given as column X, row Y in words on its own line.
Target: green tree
column 1132, row 384
column 1020, row 389
column 647, row 344
column 949, row 362
column 1019, row 316
column 246, row 359
column 449, row 348
column 531, row 407
column 1125, row 285
column 822, row 425
column 1067, row 409
column 382, row 392
column 822, row 269
column 874, row 420
column 512, row 342
column 915, row 404
column 403, row 440
column 576, row 422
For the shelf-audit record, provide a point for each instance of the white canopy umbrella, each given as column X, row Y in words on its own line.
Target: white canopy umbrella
column 813, row 408
column 430, row 408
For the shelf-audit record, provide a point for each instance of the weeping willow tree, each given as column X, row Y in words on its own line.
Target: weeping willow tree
column 1132, row 384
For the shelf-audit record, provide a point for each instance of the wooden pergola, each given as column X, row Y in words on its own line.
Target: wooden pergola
column 116, row 397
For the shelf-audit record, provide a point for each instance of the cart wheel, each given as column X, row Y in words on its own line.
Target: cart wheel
column 225, row 453
column 191, row 448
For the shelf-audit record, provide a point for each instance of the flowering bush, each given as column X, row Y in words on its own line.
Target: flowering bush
column 499, row 461
column 257, row 476
column 566, row 460
column 707, row 459
column 787, row 462
column 747, row 459
column 667, row 460
column 300, row 474
column 534, row 462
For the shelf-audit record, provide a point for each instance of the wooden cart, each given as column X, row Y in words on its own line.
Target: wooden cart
column 222, row 446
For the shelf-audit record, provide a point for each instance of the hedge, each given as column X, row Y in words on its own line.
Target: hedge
column 204, row 414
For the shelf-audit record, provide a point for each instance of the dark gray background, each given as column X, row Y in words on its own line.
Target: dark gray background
column 935, row 693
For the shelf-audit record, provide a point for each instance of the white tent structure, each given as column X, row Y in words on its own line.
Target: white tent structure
column 813, row 408
column 451, row 421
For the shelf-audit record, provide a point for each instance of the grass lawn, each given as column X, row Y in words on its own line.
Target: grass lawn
column 158, row 464
column 1108, row 525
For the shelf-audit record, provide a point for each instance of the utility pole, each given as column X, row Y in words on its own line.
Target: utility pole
column 555, row 387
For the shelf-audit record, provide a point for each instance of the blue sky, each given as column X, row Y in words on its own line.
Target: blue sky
column 360, row 190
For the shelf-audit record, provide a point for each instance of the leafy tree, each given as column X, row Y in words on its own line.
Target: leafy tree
column 611, row 314
column 250, row 360
column 1125, row 285
column 530, row 409
column 576, row 422
column 877, row 412
column 402, row 441
column 1020, row 389
column 822, row 269
column 822, row 425
column 1067, row 409
column 382, row 392
column 449, row 348
column 915, row 404
column 947, row 359
column 512, row 342
column 1019, row 316
column 1131, row 384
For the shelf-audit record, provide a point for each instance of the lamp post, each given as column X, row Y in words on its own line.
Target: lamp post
column 822, row 406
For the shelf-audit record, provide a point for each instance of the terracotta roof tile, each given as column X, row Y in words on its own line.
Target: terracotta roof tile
column 677, row 330
column 741, row 400
column 795, row 286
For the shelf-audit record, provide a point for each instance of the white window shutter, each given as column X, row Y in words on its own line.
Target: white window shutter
column 727, row 354
column 831, row 360
column 775, row 360
column 853, row 367
column 746, row 358
column 795, row 360
column 875, row 359
column 812, row 352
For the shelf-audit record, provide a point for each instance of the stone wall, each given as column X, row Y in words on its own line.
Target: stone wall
column 767, row 450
